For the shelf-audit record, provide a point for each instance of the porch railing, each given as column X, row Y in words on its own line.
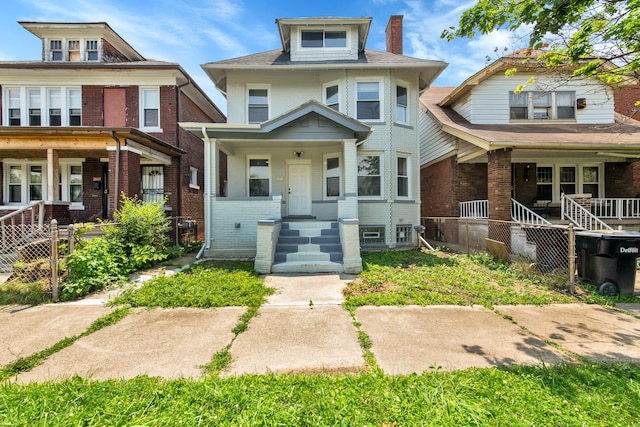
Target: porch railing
column 17, row 229
column 616, row 208
column 580, row 216
column 519, row 213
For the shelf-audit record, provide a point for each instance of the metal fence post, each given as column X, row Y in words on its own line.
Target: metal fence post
column 55, row 242
column 572, row 258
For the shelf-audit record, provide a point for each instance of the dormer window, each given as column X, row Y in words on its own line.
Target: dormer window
column 74, row 50
column 91, row 50
column 538, row 105
column 55, row 50
column 322, row 39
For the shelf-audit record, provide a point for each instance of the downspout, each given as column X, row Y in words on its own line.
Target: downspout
column 116, row 183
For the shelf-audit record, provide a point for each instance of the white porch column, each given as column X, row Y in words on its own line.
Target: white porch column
column 348, row 207
column 210, row 185
column 53, row 173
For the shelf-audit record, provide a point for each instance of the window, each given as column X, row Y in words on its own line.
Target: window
column 150, row 107
column 15, row 184
column 258, row 105
column 55, row 50
column 91, row 50
column 591, row 180
column 42, row 106
column 35, row 183
column 259, row 177
column 401, row 104
column 544, row 179
column 14, row 107
column 75, row 184
column 193, row 177
column 403, row 233
column 368, row 99
column 35, row 118
column 152, row 183
column 568, row 179
column 332, row 96
column 320, row 39
column 369, row 176
column 332, row 176
column 403, row 177
column 55, row 107
column 74, row 50
column 537, row 105
column 75, row 107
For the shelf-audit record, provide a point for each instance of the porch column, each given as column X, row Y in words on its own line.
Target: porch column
column 499, row 195
column 210, row 185
column 128, row 175
column 348, row 206
column 53, row 175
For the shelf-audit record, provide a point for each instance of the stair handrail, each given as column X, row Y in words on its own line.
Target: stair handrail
column 478, row 209
column 581, row 217
column 522, row 214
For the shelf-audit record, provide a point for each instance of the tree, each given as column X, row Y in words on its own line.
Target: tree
column 590, row 35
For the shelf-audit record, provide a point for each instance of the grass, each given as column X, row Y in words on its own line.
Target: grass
column 565, row 395
column 204, row 285
column 434, row 278
column 33, row 293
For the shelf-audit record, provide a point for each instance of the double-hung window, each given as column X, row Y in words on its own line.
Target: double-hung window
column 258, row 105
column 25, row 183
column 538, row 105
column 74, row 50
column 34, row 107
column 368, row 101
column 332, row 96
column 259, row 177
column 150, row 108
column 332, row 176
column 544, row 182
column 55, row 50
column 369, row 176
column 75, row 107
column 55, row 107
column 401, row 104
column 91, row 50
column 14, row 107
column 403, row 176
column 42, row 106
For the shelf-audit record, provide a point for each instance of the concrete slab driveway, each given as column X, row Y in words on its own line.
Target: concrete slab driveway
column 418, row 339
column 590, row 331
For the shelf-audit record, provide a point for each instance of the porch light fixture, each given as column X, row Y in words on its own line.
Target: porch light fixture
column 298, row 153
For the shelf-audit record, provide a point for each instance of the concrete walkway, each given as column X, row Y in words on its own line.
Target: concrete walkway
column 304, row 329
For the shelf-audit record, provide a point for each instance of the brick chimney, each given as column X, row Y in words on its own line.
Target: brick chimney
column 394, row 34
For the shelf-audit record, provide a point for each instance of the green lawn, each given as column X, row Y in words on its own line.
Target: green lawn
column 579, row 395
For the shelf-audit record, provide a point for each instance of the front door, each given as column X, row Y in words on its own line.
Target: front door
column 299, row 176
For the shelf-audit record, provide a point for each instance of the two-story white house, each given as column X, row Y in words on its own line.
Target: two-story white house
column 319, row 155
column 487, row 140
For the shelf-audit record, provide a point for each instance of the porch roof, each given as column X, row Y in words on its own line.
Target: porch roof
column 621, row 137
column 265, row 130
column 76, row 141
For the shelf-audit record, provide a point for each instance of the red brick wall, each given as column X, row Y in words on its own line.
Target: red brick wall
column 524, row 189
column 499, row 185
column 92, row 105
column 437, row 194
column 471, row 181
column 625, row 99
column 394, row 34
column 619, row 180
column 129, row 182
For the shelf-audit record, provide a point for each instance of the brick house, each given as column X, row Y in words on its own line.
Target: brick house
column 486, row 141
column 94, row 119
column 321, row 148
column 625, row 104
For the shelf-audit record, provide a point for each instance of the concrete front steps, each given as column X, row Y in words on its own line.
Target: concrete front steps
column 308, row 247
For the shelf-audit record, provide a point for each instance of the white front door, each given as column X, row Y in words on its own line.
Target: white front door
column 299, row 176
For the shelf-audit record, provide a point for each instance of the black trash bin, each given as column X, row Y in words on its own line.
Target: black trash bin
column 607, row 259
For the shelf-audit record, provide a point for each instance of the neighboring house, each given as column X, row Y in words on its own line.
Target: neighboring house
column 94, row 119
column 627, row 103
column 323, row 130
column 484, row 140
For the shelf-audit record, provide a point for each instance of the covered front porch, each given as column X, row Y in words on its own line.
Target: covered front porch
column 300, row 166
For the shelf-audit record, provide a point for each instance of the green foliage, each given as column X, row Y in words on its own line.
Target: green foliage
column 580, row 29
column 142, row 231
column 31, row 293
column 564, row 395
column 214, row 284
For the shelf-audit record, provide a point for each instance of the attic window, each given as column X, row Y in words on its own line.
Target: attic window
column 91, row 50
column 320, row 39
column 55, row 49
column 74, row 50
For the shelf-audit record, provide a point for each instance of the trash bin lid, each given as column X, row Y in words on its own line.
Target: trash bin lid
column 610, row 234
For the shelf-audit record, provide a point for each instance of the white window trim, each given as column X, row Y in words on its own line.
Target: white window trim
column 555, row 185
column 382, row 175
column 380, row 82
column 44, row 104
column 407, row 157
column 24, row 185
column 340, row 93
column 141, row 91
column 408, row 106
column 324, row 176
column 553, row 107
column 324, row 30
column 65, row 49
column 248, row 169
column 257, row 86
column 65, row 194
column 193, row 178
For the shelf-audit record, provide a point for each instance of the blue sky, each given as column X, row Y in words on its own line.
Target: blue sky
column 194, row 32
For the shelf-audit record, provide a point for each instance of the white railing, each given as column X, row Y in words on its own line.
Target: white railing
column 474, row 209
column 581, row 217
column 522, row 214
column 616, row 208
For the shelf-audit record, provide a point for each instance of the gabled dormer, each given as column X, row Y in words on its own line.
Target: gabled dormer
column 323, row 39
column 91, row 42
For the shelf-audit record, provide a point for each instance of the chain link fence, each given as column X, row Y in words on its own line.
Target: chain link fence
column 551, row 248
